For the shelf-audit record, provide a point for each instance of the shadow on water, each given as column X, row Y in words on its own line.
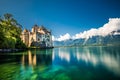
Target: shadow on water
column 70, row 63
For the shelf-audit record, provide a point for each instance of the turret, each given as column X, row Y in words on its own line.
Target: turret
column 35, row 28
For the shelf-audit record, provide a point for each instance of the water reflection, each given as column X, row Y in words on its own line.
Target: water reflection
column 31, row 59
column 64, row 55
column 35, row 62
column 68, row 63
column 34, row 58
column 107, row 57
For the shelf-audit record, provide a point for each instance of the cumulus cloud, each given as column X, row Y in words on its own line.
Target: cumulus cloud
column 108, row 28
column 62, row 37
column 112, row 25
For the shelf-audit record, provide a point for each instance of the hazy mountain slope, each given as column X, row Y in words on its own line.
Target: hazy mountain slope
column 95, row 40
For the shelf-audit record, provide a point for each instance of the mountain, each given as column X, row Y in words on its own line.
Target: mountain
column 112, row 39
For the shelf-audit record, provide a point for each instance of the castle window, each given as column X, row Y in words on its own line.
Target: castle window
column 38, row 39
column 32, row 39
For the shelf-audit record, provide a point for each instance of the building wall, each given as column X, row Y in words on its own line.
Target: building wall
column 38, row 36
column 25, row 38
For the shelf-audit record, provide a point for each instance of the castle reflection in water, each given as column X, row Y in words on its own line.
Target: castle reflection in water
column 95, row 56
column 35, row 58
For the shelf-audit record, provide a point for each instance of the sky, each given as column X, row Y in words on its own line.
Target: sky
column 62, row 17
column 112, row 27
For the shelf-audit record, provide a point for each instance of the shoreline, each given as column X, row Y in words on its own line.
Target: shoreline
column 20, row 50
column 31, row 48
column 11, row 50
column 86, row 46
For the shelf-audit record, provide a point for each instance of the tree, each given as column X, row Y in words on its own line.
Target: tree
column 10, row 31
column 2, row 37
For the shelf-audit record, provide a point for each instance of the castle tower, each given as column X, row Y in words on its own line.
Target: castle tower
column 25, row 36
column 35, row 28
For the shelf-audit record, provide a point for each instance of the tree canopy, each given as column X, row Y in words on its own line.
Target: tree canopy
column 10, row 31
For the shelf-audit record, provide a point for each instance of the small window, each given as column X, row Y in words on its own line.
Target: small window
column 38, row 39
column 32, row 39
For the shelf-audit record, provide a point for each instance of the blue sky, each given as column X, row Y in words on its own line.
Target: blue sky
column 62, row 16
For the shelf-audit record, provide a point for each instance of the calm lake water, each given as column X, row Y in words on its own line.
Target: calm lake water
column 68, row 63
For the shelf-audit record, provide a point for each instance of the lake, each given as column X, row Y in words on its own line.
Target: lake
column 64, row 63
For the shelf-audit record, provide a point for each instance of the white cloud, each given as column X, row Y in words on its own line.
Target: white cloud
column 86, row 34
column 62, row 37
column 112, row 25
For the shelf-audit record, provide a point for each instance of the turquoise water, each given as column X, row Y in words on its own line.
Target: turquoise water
column 67, row 63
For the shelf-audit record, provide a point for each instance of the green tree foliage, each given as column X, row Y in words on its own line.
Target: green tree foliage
column 10, row 31
column 2, row 37
column 19, row 44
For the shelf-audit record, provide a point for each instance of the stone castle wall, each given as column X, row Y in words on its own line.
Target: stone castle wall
column 38, row 37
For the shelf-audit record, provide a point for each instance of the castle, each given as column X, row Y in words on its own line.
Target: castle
column 38, row 37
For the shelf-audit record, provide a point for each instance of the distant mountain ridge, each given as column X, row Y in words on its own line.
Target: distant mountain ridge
column 108, row 34
column 111, row 39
